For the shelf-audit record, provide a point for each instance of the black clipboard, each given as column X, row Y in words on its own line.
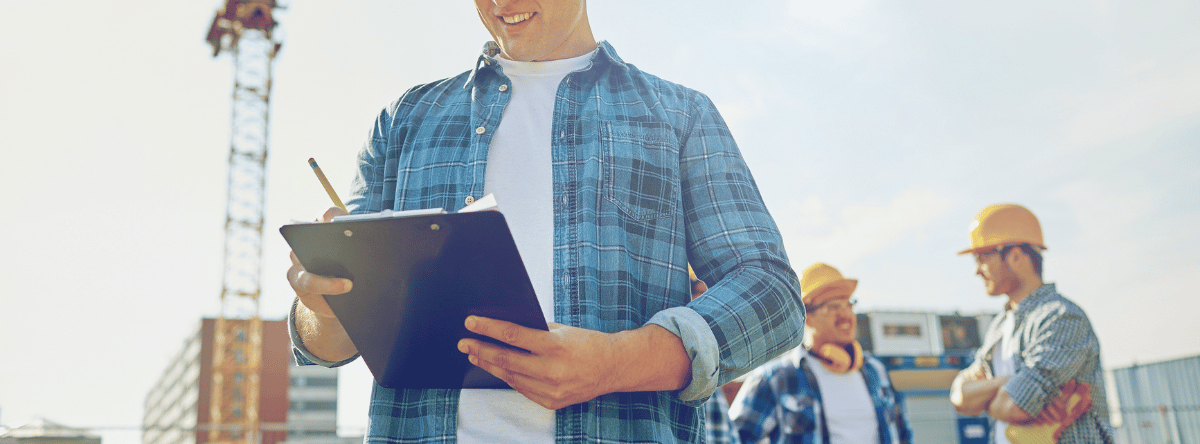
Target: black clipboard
column 416, row 279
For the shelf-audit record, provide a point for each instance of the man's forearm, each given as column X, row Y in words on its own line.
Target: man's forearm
column 650, row 359
column 972, row 397
column 323, row 336
column 1004, row 408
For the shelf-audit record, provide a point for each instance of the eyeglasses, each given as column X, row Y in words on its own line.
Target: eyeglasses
column 834, row 306
column 981, row 257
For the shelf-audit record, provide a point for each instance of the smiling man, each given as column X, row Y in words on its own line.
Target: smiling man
column 1039, row 352
column 611, row 180
column 828, row 392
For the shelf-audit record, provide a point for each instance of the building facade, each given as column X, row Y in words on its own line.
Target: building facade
column 295, row 404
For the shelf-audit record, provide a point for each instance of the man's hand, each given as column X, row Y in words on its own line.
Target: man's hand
column 320, row 331
column 569, row 365
column 973, row 373
column 972, row 392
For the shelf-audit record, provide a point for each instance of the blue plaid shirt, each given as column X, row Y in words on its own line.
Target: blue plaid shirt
column 782, row 402
column 716, row 414
column 1055, row 344
column 647, row 178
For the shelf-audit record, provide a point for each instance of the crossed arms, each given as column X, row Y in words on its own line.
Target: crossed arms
column 973, row 393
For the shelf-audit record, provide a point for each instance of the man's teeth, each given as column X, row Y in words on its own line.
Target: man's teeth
column 512, row 20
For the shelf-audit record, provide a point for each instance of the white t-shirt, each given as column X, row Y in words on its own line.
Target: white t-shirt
column 519, row 174
column 849, row 412
column 1004, row 364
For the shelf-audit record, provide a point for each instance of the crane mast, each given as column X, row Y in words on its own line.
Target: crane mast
column 243, row 29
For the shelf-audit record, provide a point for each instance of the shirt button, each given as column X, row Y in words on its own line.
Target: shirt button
column 503, row 88
column 480, row 130
column 469, row 200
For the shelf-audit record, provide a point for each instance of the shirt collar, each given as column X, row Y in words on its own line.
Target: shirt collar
column 1034, row 299
column 606, row 55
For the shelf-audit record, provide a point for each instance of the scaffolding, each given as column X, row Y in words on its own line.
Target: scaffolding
column 242, row 28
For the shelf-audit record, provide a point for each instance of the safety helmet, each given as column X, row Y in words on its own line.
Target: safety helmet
column 820, row 283
column 1002, row 225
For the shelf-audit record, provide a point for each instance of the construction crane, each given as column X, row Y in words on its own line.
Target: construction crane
column 242, row 28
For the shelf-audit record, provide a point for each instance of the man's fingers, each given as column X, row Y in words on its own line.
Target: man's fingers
column 331, row 212
column 506, row 332
column 544, row 393
column 495, row 356
column 304, row 282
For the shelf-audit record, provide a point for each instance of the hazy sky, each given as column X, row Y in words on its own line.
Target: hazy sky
column 875, row 130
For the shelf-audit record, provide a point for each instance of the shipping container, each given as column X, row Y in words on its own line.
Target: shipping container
column 1159, row 403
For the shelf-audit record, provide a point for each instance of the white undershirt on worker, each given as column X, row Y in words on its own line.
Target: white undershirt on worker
column 1004, row 363
column 519, row 175
column 849, row 411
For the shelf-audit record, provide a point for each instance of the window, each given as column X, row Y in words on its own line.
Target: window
column 314, row 382
column 902, row 330
column 313, row 405
column 960, row 333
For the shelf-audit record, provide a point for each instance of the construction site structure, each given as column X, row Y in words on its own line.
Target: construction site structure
column 298, row 404
column 244, row 29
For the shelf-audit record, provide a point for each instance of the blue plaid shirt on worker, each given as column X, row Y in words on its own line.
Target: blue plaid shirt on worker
column 782, row 402
column 647, row 178
column 716, row 417
column 1055, row 344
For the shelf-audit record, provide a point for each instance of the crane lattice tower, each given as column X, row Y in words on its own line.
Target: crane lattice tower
column 242, row 28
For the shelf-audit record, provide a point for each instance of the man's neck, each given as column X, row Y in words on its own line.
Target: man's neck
column 817, row 345
column 1028, row 286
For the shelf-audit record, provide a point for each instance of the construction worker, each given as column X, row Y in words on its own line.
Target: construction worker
column 611, row 179
column 1038, row 373
column 828, row 391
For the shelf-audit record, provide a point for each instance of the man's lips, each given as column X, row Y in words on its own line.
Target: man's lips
column 517, row 18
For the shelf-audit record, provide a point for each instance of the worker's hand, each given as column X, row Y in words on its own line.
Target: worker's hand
column 310, row 287
column 974, row 373
column 319, row 330
column 569, row 365
column 564, row 366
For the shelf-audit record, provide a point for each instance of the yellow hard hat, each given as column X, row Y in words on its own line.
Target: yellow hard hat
column 1002, row 225
column 820, row 282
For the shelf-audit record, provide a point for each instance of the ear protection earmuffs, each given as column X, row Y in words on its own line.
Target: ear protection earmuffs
column 841, row 359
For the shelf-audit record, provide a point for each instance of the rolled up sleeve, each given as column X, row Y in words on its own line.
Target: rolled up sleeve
column 701, row 347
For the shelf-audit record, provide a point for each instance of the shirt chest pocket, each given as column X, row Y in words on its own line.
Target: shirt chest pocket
column 640, row 172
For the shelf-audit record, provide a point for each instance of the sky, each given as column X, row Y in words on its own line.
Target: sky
column 875, row 131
